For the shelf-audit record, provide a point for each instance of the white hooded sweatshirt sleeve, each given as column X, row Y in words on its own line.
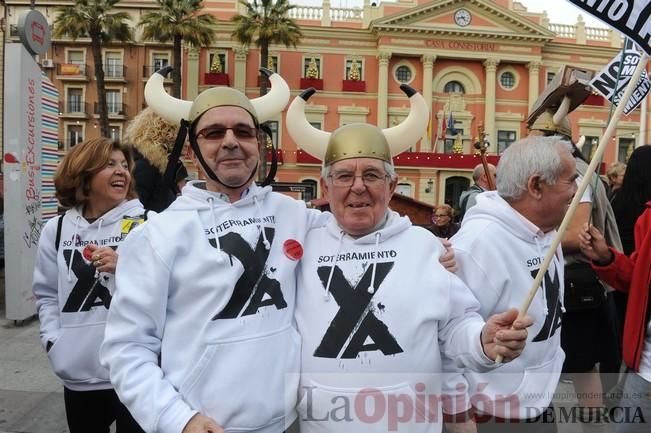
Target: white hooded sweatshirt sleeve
column 134, row 358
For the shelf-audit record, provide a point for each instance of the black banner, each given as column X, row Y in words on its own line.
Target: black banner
column 631, row 17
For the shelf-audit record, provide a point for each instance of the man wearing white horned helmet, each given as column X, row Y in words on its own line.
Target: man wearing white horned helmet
column 202, row 334
column 381, row 321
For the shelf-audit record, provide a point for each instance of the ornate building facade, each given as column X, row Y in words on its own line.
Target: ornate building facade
column 477, row 62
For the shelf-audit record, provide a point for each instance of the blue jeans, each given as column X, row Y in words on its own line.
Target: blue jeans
column 636, row 403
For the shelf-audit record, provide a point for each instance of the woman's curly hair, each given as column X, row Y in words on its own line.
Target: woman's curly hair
column 74, row 174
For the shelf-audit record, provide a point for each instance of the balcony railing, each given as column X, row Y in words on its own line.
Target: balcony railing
column 148, row 70
column 73, row 106
column 73, row 69
column 114, row 108
column 114, row 71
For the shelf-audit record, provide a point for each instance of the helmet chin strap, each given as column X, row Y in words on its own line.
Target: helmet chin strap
column 211, row 174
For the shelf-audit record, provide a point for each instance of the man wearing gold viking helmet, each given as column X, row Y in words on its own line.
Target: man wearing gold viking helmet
column 202, row 336
column 379, row 317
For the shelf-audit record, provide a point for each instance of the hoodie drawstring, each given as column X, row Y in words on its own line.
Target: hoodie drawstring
column 266, row 243
column 371, row 288
column 561, row 296
column 211, row 200
column 326, row 294
column 99, row 230
column 74, row 236
column 544, row 286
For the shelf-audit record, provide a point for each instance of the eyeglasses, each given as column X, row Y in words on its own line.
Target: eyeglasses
column 218, row 132
column 441, row 216
column 369, row 179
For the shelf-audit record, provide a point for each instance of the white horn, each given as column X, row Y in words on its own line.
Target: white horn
column 401, row 137
column 562, row 111
column 166, row 106
column 307, row 137
column 268, row 106
column 580, row 143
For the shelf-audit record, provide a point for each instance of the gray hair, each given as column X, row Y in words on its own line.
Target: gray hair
column 479, row 170
column 534, row 155
column 388, row 168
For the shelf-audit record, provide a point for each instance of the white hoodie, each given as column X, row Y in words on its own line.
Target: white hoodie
column 216, row 309
column 499, row 252
column 376, row 313
column 72, row 298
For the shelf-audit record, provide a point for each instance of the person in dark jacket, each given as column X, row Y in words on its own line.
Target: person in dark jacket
column 152, row 139
column 442, row 225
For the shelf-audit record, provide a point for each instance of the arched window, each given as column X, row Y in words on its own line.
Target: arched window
column 454, row 87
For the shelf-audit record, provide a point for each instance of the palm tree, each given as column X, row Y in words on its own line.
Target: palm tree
column 97, row 20
column 265, row 23
column 179, row 21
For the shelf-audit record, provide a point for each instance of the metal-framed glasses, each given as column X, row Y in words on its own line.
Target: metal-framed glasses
column 218, row 132
column 369, row 179
column 441, row 215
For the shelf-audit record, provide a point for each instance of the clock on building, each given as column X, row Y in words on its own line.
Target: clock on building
column 462, row 17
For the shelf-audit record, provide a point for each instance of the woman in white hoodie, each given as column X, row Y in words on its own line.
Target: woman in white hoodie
column 74, row 277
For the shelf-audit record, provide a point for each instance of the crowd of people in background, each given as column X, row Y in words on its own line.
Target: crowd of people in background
column 220, row 305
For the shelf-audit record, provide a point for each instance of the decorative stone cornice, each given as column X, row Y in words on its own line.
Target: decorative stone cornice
column 384, row 57
column 534, row 66
column 193, row 52
column 491, row 64
column 428, row 59
column 240, row 53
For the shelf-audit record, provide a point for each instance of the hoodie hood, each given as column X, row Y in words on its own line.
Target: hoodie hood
column 127, row 207
column 495, row 209
column 394, row 224
column 195, row 196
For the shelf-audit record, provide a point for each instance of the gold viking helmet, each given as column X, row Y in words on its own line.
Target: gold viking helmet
column 545, row 122
column 264, row 108
column 357, row 140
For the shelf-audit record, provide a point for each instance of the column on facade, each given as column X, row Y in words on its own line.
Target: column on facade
column 534, row 81
column 383, row 88
column 490, row 103
column 428, row 65
column 239, row 81
column 192, row 78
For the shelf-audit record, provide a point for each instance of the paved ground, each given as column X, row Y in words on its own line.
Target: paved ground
column 31, row 397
